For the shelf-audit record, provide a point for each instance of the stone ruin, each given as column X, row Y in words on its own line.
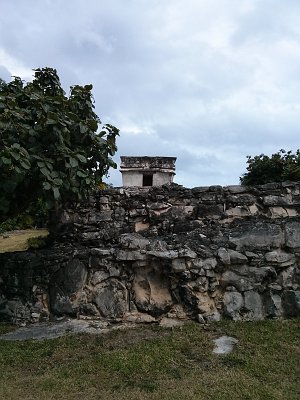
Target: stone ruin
column 147, row 171
column 150, row 254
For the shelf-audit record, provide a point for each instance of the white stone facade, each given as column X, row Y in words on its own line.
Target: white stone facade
column 147, row 171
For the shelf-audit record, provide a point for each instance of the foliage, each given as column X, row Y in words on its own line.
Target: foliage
column 37, row 242
column 281, row 166
column 50, row 147
column 35, row 216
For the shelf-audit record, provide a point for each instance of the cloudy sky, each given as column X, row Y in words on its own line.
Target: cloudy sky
column 206, row 81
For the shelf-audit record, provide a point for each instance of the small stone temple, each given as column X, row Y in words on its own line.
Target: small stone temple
column 147, row 171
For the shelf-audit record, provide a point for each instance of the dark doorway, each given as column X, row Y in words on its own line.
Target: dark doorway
column 148, row 180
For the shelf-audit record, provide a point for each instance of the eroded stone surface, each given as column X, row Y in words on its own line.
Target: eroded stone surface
column 140, row 254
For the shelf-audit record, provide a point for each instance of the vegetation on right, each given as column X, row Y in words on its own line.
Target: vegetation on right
column 279, row 167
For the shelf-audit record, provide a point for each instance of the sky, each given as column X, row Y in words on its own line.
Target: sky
column 206, row 81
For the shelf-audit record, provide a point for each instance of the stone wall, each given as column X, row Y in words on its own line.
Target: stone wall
column 141, row 255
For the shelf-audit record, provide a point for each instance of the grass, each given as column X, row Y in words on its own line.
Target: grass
column 152, row 363
column 19, row 240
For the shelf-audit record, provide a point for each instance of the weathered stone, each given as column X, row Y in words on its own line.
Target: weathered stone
column 209, row 263
column 278, row 200
column 259, row 236
column 165, row 254
column 66, row 287
column 291, row 303
column 272, row 305
column 151, row 291
column 111, row 299
column 278, row 212
column 141, row 226
column 287, row 278
column 236, row 257
column 187, row 253
column 133, row 241
column 123, row 255
column 99, row 276
column 280, row 257
column 188, row 250
column 207, row 307
column 230, row 278
column 233, row 302
column 253, row 303
column 224, row 256
column 292, row 230
column 238, row 211
column 236, row 189
column 179, row 265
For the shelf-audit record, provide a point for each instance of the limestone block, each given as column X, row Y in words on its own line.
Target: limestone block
column 209, row 263
column 272, row 305
column 278, row 200
column 292, row 230
column 238, row 211
column 236, row 189
column 259, row 236
column 241, row 283
column 179, row 265
column 141, row 226
column 233, row 302
column 187, row 253
column 66, row 287
column 164, row 254
column 280, row 257
column 98, row 277
column 133, row 241
column 253, row 303
column 291, row 303
column 151, row 291
column 206, row 306
column 278, row 212
column 224, row 256
column 123, row 255
column 111, row 299
column 287, row 278
column 236, row 257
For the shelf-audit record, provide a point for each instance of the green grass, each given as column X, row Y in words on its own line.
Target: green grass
column 152, row 363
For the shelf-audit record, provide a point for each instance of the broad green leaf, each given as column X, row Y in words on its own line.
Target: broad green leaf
column 73, row 162
column 47, row 186
column 56, row 193
column 81, row 158
column 25, row 164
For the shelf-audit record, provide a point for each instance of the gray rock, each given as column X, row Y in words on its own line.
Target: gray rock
column 123, row 255
column 111, row 299
column 224, row 345
column 258, row 237
column 66, row 288
column 179, row 265
column 272, row 305
column 166, row 254
column 233, row 302
column 280, row 257
column 224, row 256
column 236, row 257
column 230, row 278
column 291, row 303
column 253, row 303
column 151, row 291
column 134, row 241
column 292, row 230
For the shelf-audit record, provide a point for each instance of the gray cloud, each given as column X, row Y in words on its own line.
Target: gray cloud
column 208, row 81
